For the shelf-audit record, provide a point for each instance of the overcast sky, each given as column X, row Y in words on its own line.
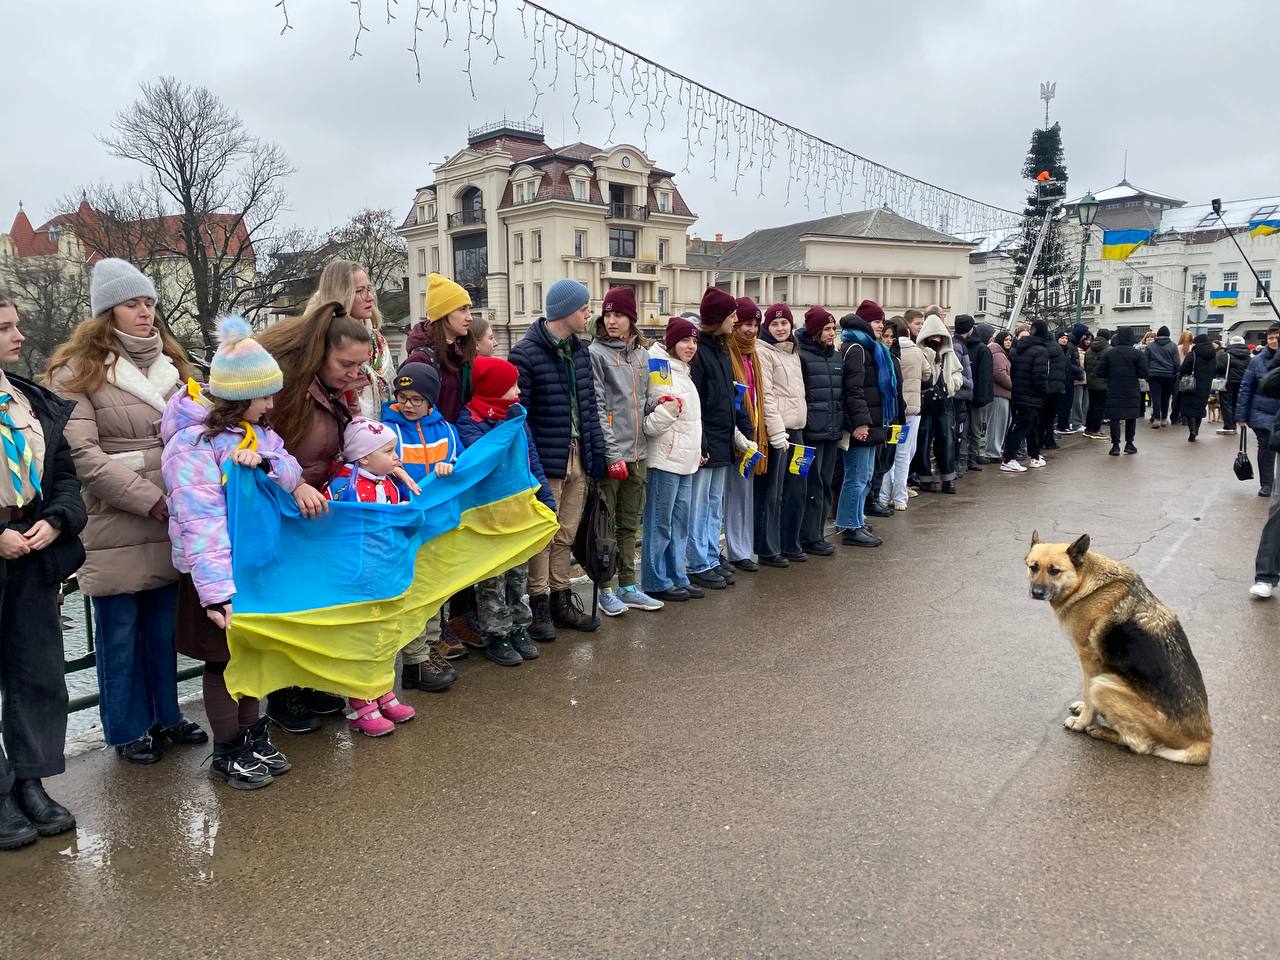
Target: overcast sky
column 944, row 91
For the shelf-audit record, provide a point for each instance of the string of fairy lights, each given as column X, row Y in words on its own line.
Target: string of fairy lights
column 740, row 144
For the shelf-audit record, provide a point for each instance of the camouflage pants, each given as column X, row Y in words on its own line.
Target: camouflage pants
column 418, row 649
column 500, row 602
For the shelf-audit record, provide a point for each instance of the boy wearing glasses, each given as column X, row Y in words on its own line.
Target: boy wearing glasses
column 426, row 444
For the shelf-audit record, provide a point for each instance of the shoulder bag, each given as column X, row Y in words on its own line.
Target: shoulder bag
column 1187, row 382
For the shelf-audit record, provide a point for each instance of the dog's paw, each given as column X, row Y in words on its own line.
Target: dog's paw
column 1076, row 707
column 1075, row 723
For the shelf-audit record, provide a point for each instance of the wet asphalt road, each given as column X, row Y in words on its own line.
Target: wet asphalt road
column 862, row 756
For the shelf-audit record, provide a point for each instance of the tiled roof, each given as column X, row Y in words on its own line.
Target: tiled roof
column 779, row 248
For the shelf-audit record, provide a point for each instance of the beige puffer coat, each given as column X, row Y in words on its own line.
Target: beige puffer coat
column 915, row 372
column 114, row 435
column 785, row 407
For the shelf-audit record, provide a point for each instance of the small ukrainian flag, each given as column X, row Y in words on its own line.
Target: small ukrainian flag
column 1119, row 244
column 1263, row 228
column 1223, row 298
column 659, row 372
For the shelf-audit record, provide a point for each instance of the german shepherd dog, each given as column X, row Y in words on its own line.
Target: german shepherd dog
column 1142, row 685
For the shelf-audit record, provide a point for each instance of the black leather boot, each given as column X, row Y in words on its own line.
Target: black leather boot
column 46, row 815
column 15, row 829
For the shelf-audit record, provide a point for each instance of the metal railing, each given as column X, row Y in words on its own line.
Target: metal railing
column 626, row 211
column 466, row 218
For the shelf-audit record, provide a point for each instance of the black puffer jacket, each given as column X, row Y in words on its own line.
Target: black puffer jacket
column 1233, row 362
column 1059, row 368
column 544, row 392
column 712, row 374
column 60, row 502
column 823, row 386
column 860, row 391
column 980, row 358
column 1122, row 366
column 1202, row 360
column 1092, row 359
column 1029, row 361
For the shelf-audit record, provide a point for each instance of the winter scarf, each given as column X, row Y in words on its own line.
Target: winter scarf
column 886, row 378
column 746, row 369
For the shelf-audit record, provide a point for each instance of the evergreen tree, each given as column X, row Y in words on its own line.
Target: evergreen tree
column 1050, row 290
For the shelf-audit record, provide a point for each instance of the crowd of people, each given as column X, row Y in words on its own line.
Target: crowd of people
column 731, row 442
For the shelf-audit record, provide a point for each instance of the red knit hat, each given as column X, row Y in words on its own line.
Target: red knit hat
column 620, row 300
column 492, row 376
column 715, row 306
column 870, row 311
column 816, row 319
column 748, row 312
column 679, row 328
column 779, row 310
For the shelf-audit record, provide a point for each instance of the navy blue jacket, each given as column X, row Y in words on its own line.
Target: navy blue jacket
column 544, row 392
column 823, row 389
column 470, row 430
column 712, row 374
column 1253, row 407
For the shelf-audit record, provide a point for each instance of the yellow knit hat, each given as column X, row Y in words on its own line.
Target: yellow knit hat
column 444, row 296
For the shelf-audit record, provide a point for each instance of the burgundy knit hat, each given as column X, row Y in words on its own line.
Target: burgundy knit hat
column 815, row 319
column 870, row 311
column 779, row 310
column 678, row 328
column 620, row 300
column 747, row 311
column 715, row 306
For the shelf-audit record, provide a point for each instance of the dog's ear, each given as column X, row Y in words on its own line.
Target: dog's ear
column 1078, row 549
column 1035, row 537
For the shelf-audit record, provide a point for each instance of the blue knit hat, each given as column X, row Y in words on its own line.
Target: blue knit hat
column 564, row 297
column 241, row 369
column 113, row 282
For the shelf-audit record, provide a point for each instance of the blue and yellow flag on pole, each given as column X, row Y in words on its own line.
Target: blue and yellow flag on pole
column 1118, row 244
column 1263, row 227
column 1223, row 298
column 328, row 603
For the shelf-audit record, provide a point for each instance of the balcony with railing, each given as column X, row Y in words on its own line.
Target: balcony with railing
column 472, row 217
column 626, row 211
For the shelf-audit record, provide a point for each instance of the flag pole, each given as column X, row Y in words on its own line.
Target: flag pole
column 1266, row 289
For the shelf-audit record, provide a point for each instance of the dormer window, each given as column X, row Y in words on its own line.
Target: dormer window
column 664, row 201
column 580, row 191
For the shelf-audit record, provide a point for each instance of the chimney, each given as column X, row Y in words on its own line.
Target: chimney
column 719, row 238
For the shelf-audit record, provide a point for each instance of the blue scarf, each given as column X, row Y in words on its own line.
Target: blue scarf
column 885, row 376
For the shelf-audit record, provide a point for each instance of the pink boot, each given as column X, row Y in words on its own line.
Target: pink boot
column 364, row 715
column 393, row 709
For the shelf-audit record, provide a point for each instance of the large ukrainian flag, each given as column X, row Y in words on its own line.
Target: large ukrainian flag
column 327, row 603
column 1223, row 298
column 1264, row 227
column 1118, row 244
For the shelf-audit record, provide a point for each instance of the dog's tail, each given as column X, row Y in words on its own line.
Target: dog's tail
column 1198, row 753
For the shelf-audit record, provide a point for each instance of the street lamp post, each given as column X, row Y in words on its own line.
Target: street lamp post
column 1086, row 210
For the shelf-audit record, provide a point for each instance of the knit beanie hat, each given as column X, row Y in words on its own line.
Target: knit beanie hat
column 715, row 306
column 421, row 377
column 1078, row 331
column 619, row 300
column 491, row 377
column 870, row 311
column 815, row 320
column 964, row 324
column 678, row 328
column 564, row 297
column 362, row 437
column 1162, row 332
column 241, row 368
column 779, row 310
column 115, row 281
column 747, row 311
column 444, row 296
column 1236, row 342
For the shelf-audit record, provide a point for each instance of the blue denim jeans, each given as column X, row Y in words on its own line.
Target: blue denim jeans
column 666, row 530
column 137, row 663
column 859, row 464
column 706, row 517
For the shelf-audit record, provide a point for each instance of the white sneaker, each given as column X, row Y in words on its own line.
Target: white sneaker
column 1013, row 466
column 899, row 506
column 912, row 492
column 1261, row 591
column 1037, row 462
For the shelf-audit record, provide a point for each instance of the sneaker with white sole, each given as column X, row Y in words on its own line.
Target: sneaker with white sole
column 633, row 596
column 1037, row 462
column 1013, row 466
column 610, row 604
column 1261, row 591
column 912, row 492
column 899, row 506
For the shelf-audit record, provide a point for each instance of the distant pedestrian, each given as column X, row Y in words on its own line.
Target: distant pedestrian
column 998, row 417
column 1122, row 367
column 1258, row 412
column 1163, row 361
column 824, row 420
column 1233, row 362
column 1030, row 374
column 780, row 493
column 937, row 411
column 1201, row 364
column 1095, row 411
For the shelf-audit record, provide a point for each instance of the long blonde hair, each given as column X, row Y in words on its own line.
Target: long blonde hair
column 338, row 285
column 93, row 350
column 299, row 346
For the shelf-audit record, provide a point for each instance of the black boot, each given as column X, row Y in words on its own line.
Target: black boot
column 264, row 751
column 15, row 829
column 183, row 733
column 46, row 815
column 1114, row 451
column 500, row 651
column 542, row 629
column 428, row 676
column 235, row 765
column 567, row 612
column 1130, row 448
column 527, row 649
column 948, row 486
column 146, row 749
column 289, row 711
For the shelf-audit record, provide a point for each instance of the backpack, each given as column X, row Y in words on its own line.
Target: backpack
column 595, row 546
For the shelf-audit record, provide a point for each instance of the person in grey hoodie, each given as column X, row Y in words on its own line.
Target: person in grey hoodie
column 1163, row 361
column 620, row 369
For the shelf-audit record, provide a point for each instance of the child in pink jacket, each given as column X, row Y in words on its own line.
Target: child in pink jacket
column 203, row 429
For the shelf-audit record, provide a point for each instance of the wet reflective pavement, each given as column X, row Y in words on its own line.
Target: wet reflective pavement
column 860, row 756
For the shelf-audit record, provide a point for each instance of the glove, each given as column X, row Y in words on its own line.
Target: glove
column 618, row 471
column 779, row 443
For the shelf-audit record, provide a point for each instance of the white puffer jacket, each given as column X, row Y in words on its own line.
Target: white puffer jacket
column 785, row 407
column 675, row 443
